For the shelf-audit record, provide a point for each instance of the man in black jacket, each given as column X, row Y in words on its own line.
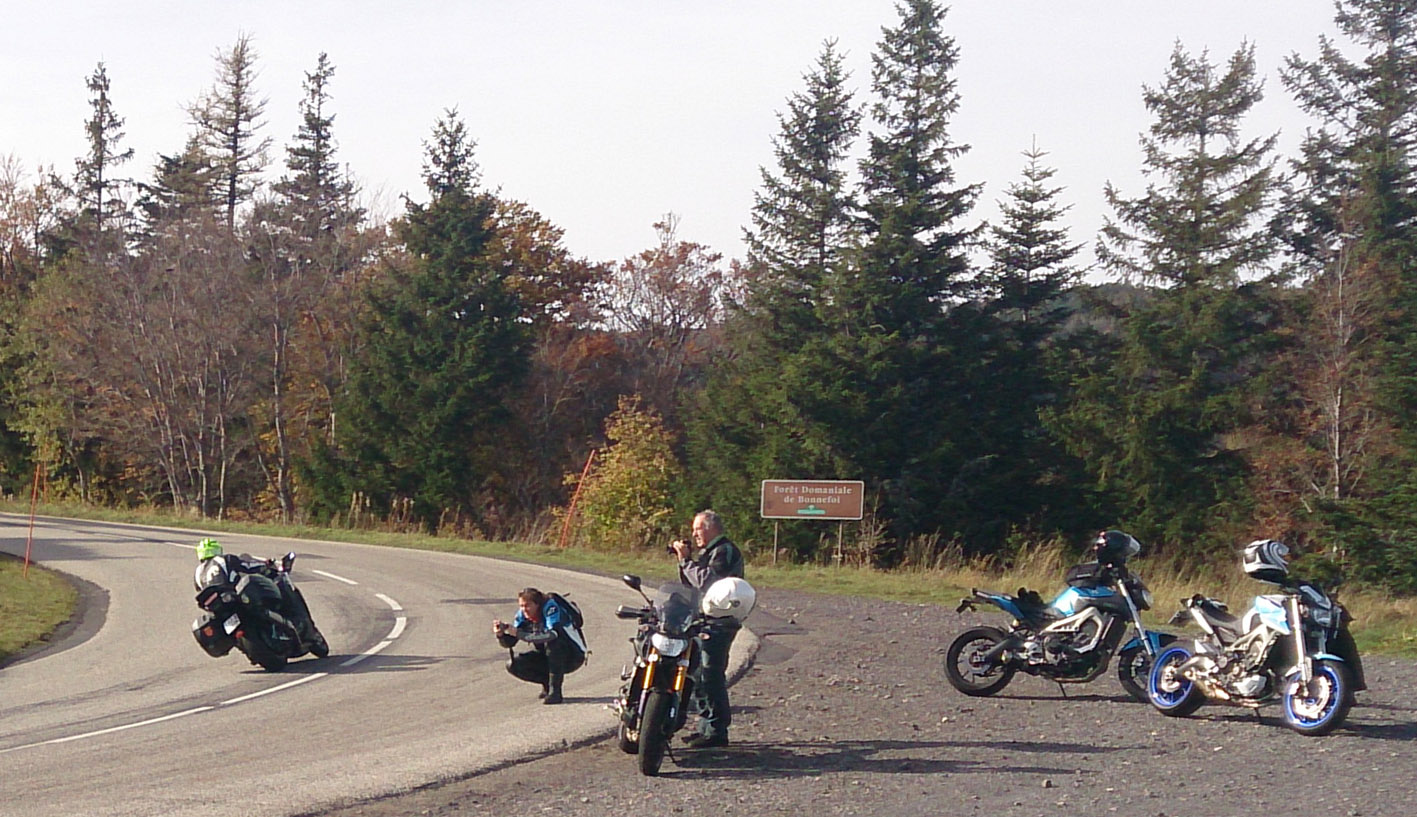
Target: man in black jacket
column 718, row 559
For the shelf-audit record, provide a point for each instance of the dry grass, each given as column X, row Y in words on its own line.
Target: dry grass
column 1381, row 623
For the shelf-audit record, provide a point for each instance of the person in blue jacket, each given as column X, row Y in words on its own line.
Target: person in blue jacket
column 558, row 647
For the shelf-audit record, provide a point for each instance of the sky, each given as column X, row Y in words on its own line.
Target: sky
column 605, row 115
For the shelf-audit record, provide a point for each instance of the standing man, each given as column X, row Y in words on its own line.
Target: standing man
column 557, row 644
column 718, row 559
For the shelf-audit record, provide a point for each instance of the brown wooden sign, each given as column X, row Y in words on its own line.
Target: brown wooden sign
column 812, row 499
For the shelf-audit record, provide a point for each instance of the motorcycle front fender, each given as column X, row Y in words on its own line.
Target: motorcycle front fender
column 1318, row 656
column 1155, row 639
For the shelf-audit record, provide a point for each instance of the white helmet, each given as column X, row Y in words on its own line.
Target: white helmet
column 1264, row 559
column 732, row 598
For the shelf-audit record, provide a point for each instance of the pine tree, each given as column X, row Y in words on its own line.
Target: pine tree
column 98, row 185
column 890, row 381
column 183, row 187
column 304, row 241
column 321, row 195
column 1355, row 235
column 228, row 118
column 443, row 346
column 1156, row 425
column 803, row 214
column 1031, row 254
column 744, row 426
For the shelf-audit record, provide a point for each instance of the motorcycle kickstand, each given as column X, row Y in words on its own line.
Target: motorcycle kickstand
column 1062, row 689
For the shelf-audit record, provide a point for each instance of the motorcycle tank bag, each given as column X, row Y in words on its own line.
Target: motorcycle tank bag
column 1087, row 574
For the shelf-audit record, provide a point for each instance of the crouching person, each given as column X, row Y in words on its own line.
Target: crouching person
column 557, row 645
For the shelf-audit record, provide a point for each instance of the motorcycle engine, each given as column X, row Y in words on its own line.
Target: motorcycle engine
column 1248, row 686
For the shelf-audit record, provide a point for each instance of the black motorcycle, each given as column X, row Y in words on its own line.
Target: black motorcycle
column 243, row 609
column 654, row 702
column 1069, row 640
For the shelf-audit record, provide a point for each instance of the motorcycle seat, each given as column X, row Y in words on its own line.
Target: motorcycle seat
column 1228, row 626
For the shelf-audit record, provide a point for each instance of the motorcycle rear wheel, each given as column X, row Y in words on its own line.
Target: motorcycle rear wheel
column 256, row 650
column 654, row 732
column 965, row 669
column 1172, row 694
column 1325, row 706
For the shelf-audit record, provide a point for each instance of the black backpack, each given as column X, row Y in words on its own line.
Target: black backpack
column 571, row 608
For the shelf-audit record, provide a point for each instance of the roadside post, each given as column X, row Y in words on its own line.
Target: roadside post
column 821, row 499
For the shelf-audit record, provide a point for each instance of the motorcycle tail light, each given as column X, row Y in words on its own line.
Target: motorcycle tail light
column 208, row 631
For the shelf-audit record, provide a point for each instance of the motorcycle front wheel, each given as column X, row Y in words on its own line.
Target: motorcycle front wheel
column 1170, row 692
column 319, row 647
column 628, row 741
column 966, row 668
column 654, row 732
column 1134, row 668
column 1323, row 706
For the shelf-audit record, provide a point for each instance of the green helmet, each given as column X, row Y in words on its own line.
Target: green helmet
column 207, row 548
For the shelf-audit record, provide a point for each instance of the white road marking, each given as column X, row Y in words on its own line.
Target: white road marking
column 278, row 688
column 336, row 578
column 400, row 623
column 111, row 729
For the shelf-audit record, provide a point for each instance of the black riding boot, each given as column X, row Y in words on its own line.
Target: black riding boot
column 553, row 693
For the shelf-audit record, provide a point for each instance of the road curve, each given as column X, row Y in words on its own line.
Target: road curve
column 129, row 717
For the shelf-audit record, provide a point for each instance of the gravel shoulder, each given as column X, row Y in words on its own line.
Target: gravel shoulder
column 845, row 711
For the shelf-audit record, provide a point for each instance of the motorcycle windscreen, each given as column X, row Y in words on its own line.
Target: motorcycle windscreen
column 677, row 605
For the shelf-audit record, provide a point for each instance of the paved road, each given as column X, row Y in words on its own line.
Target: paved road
column 130, row 717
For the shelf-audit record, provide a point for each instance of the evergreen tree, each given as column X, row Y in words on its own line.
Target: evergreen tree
column 892, row 380
column 183, row 187
column 1031, row 255
column 1033, row 482
column 744, row 427
column 97, row 184
column 303, row 242
column 228, row 118
column 315, row 185
column 1156, row 426
column 443, row 346
column 803, row 215
column 1356, row 233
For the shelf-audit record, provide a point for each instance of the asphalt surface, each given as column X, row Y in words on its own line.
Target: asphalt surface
column 128, row 716
column 843, row 711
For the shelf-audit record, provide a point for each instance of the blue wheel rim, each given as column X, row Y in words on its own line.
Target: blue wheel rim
column 1335, row 693
column 1167, row 699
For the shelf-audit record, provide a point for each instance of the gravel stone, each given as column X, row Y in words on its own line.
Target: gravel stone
column 845, row 711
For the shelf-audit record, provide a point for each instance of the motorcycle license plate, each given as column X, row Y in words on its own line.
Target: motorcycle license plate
column 231, row 624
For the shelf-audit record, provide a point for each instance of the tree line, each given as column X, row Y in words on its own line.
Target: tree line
column 202, row 339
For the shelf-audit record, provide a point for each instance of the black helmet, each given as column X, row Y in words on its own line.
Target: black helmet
column 1266, row 560
column 1116, row 547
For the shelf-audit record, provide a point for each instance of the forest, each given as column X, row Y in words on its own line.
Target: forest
column 230, row 334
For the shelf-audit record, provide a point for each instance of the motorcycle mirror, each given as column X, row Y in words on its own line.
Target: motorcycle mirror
column 633, row 582
column 287, row 561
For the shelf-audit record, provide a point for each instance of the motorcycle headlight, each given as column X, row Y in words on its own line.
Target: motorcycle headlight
column 1145, row 599
column 668, row 646
column 1322, row 616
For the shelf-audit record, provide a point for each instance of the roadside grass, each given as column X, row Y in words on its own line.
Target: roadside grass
column 1382, row 624
column 31, row 606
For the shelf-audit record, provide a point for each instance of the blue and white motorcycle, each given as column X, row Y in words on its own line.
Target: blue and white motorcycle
column 1070, row 640
column 1293, row 645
